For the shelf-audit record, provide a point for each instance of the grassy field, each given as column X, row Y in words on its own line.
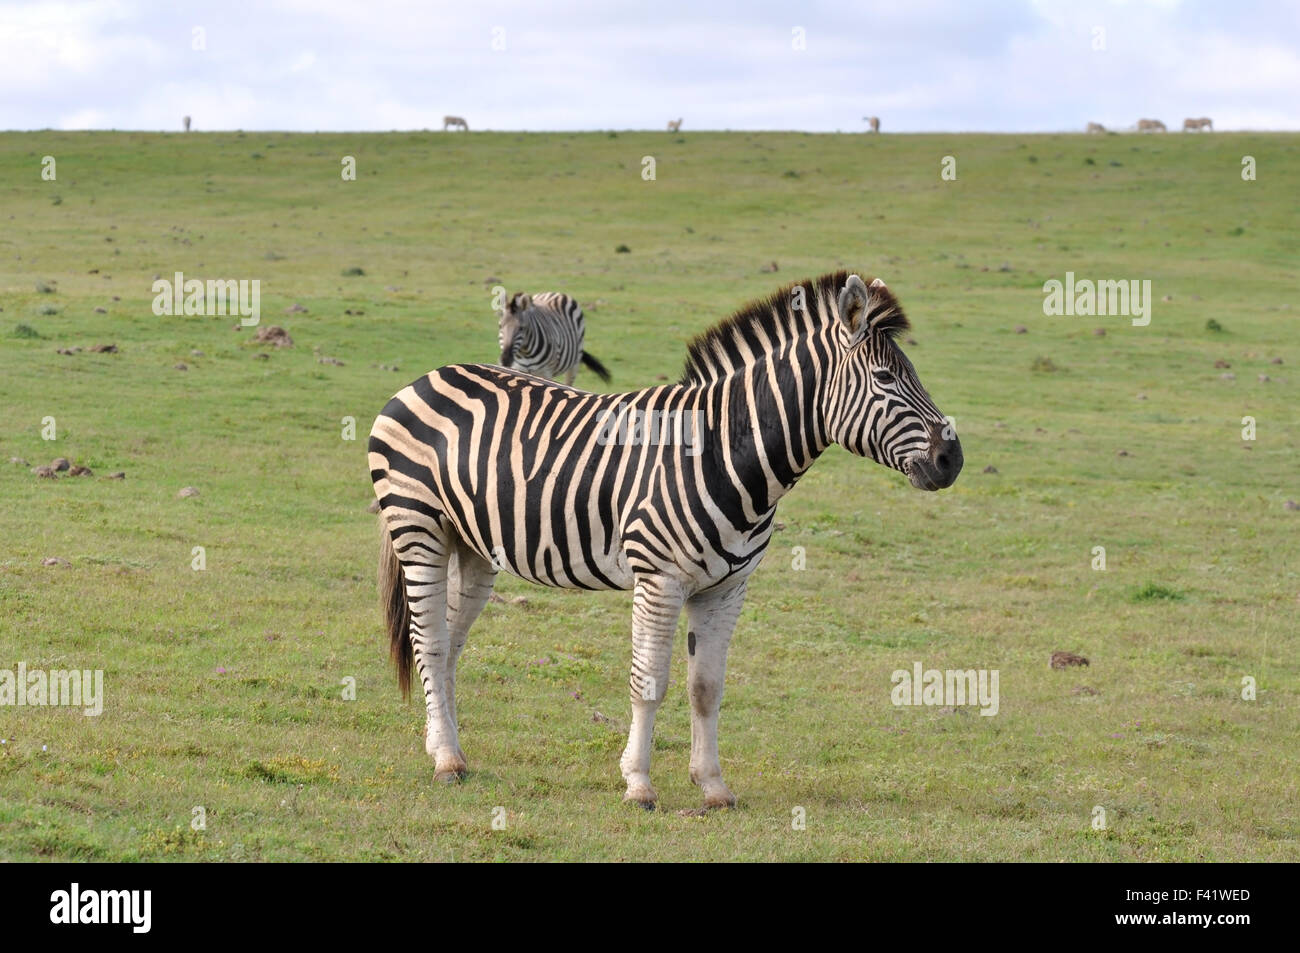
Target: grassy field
column 224, row 687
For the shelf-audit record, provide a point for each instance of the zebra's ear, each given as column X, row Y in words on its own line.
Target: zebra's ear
column 520, row 303
column 870, row 308
column 853, row 305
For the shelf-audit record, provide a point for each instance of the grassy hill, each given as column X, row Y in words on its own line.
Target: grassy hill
column 224, row 687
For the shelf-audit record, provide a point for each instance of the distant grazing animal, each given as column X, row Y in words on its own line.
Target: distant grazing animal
column 542, row 334
column 187, row 123
column 1150, row 125
column 670, row 492
column 1096, row 127
column 674, row 125
column 873, row 121
column 454, row 122
column 1197, row 124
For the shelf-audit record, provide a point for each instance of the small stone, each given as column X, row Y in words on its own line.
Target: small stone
column 261, row 357
column 60, row 463
column 80, row 471
column 101, row 311
column 329, row 360
column 45, row 472
column 1021, row 329
column 1167, row 298
column 182, row 367
column 1263, row 378
column 187, row 492
column 294, row 308
column 1099, row 332
column 911, row 342
column 104, row 349
column 1291, row 505
column 19, row 460
column 54, row 561
column 1227, row 377
column 119, row 475
column 197, row 353
column 1141, row 396
column 990, row 469
column 1276, row 360
column 1222, row 364
column 1085, row 690
column 1121, row 453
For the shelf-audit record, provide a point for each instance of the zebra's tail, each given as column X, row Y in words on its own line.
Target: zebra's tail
column 596, row 366
column 397, row 612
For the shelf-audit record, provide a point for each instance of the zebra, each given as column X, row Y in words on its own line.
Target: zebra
column 1151, row 125
column 542, row 334
column 873, row 122
column 478, row 468
column 454, row 122
column 1096, row 127
column 674, row 125
column 1196, row 125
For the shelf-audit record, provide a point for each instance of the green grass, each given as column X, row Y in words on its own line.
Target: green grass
column 224, row 687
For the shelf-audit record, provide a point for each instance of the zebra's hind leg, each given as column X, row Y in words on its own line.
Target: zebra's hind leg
column 710, row 620
column 469, row 585
column 425, row 568
column 656, row 605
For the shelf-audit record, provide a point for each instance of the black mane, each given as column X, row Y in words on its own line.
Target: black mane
column 763, row 325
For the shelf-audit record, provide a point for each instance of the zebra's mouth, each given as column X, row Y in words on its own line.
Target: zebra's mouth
column 919, row 477
column 922, row 475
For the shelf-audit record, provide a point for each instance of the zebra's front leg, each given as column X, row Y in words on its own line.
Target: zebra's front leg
column 710, row 620
column 426, row 593
column 656, row 605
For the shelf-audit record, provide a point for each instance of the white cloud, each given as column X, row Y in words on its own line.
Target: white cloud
column 936, row 64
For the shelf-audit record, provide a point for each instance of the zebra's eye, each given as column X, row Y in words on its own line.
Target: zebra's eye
column 883, row 377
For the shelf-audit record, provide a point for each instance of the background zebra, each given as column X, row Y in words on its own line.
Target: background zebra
column 478, row 468
column 542, row 334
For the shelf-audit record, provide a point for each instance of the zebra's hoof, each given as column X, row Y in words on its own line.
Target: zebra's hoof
column 717, row 795
column 450, row 776
column 642, row 795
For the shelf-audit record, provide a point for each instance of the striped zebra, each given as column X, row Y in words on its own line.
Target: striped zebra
column 670, row 492
column 542, row 334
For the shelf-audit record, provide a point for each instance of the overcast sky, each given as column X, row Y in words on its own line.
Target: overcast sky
column 950, row 65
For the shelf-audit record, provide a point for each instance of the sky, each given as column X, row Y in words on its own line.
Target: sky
column 928, row 65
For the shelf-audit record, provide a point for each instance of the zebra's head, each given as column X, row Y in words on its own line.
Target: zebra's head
column 875, row 404
column 510, row 324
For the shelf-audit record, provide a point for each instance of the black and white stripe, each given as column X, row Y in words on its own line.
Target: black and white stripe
column 542, row 334
column 479, row 468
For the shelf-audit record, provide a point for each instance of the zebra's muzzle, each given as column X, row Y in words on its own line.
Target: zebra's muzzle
column 937, row 468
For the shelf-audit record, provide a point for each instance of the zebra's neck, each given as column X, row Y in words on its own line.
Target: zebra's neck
column 766, row 426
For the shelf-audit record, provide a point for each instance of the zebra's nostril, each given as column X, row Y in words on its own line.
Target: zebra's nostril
column 942, row 460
